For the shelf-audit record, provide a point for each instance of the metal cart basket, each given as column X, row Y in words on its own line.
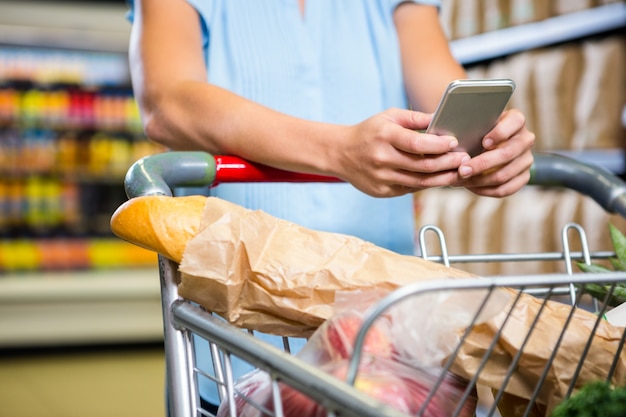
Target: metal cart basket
column 160, row 174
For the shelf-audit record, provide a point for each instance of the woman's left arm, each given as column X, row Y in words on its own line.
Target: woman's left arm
column 428, row 66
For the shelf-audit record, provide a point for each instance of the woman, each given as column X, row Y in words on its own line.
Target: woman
column 322, row 87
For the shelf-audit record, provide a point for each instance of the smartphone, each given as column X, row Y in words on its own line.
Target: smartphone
column 469, row 109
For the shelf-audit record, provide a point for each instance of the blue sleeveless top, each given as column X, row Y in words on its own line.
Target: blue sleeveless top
column 339, row 63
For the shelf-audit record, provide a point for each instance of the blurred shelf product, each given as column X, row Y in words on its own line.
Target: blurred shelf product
column 68, row 134
column 37, row 65
column 69, row 130
column 87, row 26
column 537, row 34
column 60, row 254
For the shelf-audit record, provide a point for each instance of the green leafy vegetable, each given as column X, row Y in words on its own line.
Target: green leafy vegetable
column 596, row 399
column 599, row 291
column 619, row 245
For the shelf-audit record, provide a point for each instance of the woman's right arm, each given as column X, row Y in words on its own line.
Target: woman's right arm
column 182, row 111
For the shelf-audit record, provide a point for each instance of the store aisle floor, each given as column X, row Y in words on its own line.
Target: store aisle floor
column 94, row 382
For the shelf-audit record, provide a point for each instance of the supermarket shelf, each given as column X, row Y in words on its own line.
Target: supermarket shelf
column 103, row 27
column 67, row 25
column 498, row 43
column 80, row 308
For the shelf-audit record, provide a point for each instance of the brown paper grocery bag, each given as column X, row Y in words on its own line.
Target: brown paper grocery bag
column 536, row 352
column 267, row 274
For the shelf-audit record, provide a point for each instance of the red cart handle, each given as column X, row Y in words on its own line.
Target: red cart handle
column 235, row 169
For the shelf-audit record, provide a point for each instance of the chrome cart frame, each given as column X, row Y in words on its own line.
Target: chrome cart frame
column 160, row 174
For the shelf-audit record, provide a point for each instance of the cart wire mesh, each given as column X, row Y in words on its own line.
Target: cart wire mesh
column 340, row 398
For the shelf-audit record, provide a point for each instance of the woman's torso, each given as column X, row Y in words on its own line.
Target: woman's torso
column 337, row 62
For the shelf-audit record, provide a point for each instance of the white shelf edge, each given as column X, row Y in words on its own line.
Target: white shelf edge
column 80, row 308
column 65, row 38
column 502, row 42
column 65, row 25
column 88, row 285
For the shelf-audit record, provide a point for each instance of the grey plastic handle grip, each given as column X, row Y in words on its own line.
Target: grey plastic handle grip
column 607, row 189
column 159, row 174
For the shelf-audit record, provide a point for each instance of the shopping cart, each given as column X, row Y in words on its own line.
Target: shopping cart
column 160, row 174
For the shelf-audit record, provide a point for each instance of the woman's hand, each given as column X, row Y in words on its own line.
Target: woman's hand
column 504, row 167
column 386, row 156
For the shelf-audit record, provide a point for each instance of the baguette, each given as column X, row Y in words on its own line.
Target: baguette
column 162, row 224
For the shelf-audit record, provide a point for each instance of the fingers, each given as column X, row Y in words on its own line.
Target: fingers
column 424, row 143
column 496, row 160
column 408, row 182
column 504, row 167
column 509, row 124
column 509, row 140
column 408, row 119
column 502, row 190
column 406, row 168
column 402, row 172
column 423, row 181
column 404, row 133
column 418, row 143
column 417, row 172
column 504, row 180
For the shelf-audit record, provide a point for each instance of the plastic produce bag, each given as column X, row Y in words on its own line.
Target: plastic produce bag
column 382, row 373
